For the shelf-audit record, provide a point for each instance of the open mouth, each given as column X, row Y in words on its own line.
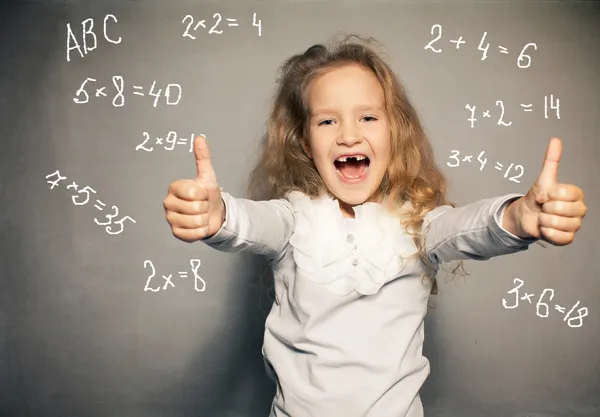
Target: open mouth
column 352, row 167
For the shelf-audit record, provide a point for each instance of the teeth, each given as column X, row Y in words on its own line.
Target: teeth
column 345, row 158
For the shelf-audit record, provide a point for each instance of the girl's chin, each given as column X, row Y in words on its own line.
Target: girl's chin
column 353, row 195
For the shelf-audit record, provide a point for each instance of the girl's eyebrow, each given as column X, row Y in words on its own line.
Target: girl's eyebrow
column 316, row 112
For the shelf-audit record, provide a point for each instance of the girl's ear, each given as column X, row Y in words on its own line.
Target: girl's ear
column 306, row 148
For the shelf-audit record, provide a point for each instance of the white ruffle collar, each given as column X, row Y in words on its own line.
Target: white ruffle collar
column 343, row 254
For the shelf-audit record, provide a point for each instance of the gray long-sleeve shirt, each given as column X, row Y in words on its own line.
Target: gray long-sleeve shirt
column 344, row 336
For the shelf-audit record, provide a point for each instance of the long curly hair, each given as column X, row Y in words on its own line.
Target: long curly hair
column 283, row 166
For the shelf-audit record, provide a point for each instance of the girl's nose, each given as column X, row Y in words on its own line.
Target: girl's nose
column 350, row 135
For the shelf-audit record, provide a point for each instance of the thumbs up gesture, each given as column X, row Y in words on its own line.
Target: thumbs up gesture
column 550, row 210
column 194, row 208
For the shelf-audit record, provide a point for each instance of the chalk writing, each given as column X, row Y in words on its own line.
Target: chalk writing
column 523, row 60
column 191, row 25
column 543, row 308
column 118, row 100
column 199, row 283
column 87, row 32
column 482, row 163
column 168, row 142
column 83, row 196
column 550, row 103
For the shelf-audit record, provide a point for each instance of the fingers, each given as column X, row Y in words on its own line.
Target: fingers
column 562, row 216
column 174, row 204
column 549, row 172
column 193, row 208
column 559, row 223
column 548, row 176
column 188, row 190
column 565, row 208
column 183, row 209
column 204, row 168
column 187, row 221
column 190, row 235
column 557, row 237
column 188, row 209
column 565, row 192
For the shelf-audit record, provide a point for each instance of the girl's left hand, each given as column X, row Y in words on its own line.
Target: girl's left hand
column 550, row 211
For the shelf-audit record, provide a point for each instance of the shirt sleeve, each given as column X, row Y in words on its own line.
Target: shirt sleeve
column 471, row 232
column 261, row 227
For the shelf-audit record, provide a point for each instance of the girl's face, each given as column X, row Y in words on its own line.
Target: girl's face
column 349, row 133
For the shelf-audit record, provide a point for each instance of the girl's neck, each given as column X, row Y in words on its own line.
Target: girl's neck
column 346, row 209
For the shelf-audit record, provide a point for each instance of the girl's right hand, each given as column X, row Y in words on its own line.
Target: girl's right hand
column 194, row 208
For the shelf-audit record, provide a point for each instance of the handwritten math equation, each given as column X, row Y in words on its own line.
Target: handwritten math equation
column 549, row 104
column 171, row 94
column 523, row 60
column 83, row 196
column 573, row 316
column 518, row 169
column 167, row 142
column 192, row 25
column 199, row 283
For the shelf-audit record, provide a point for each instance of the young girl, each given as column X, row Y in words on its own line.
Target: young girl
column 353, row 214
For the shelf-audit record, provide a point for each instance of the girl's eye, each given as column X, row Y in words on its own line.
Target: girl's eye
column 329, row 121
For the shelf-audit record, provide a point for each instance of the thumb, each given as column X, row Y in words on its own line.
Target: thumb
column 205, row 171
column 549, row 174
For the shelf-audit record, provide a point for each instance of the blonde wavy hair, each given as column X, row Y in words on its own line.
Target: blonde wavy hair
column 283, row 166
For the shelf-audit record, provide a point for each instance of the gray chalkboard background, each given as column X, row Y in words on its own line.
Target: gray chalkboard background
column 80, row 336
